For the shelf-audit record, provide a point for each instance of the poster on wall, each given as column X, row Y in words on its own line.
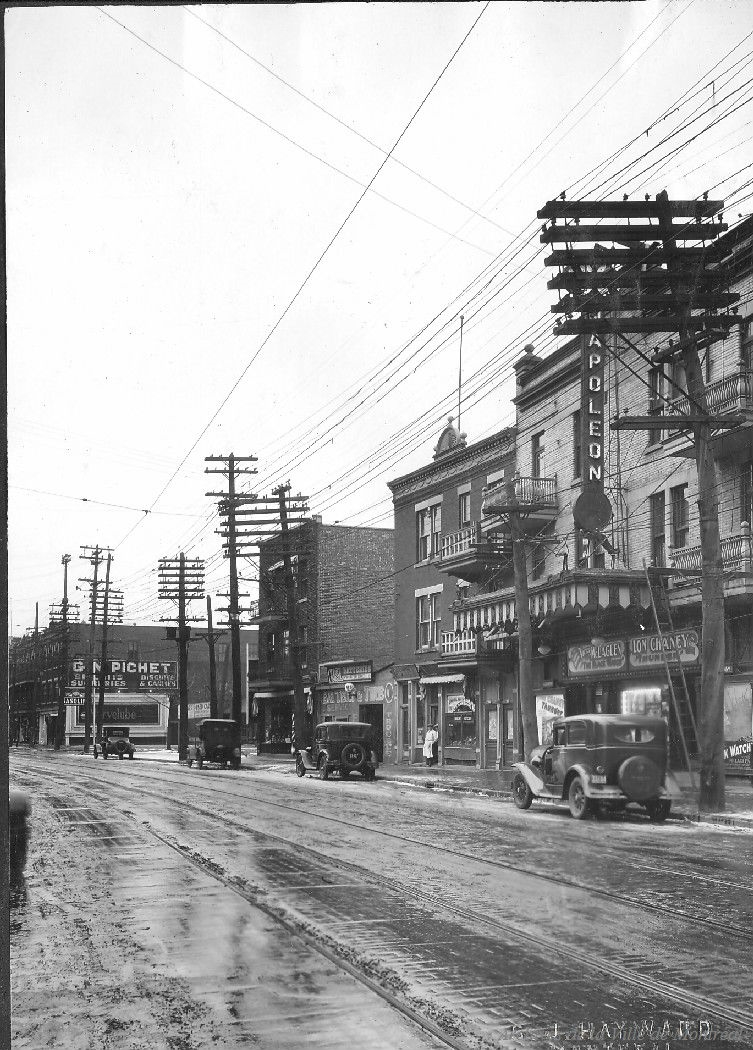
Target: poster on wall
column 738, row 725
column 548, row 707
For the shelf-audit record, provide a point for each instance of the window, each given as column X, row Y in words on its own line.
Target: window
column 537, row 452
column 464, row 509
column 677, row 382
column 428, row 620
column 588, row 554
column 558, row 737
column 656, row 504
column 655, row 403
column 746, row 492
column 576, row 444
column 679, row 516
column 576, row 733
column 428, row 532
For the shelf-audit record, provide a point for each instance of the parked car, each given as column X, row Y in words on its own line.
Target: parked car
column 340, row 747
column 598, row 763
column 219, row 741
column 19, row 815
column 115, row 741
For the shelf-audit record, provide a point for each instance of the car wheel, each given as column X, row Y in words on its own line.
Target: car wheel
column 199, row 761
column 235, row 764
column 104, row 754
column 323, row 771
column 658, row 811
column 579, row 803
column 521, row 792
column 130, row 755
column 300, row 768
column 189, row 762
column 120, row 755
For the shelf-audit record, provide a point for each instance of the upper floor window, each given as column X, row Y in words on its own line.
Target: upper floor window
column 537, row 454
column 655, row 402
column 428, row 620
column 680, row 516
column 588, row 554
column 577, row 444
column 464, row 509
column 428, row 531
column 656, row 503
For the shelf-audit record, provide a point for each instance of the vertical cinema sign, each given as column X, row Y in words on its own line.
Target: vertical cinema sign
column 592, row 509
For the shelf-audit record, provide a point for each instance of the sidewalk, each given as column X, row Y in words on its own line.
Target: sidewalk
column 491, row 783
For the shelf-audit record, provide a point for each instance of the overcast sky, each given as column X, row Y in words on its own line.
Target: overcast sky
column 178, row 177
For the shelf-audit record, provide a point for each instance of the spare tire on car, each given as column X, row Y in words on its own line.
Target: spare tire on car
column 639, row 778
column 353, row 756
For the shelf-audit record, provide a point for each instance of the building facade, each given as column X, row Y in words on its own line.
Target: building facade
column 446, row 674
column 343, row 590
column 141, row 688
column 616, row 617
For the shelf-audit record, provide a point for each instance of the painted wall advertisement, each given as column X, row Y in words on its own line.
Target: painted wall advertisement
column 643, row 652
column 130, row 675
column 347, row 671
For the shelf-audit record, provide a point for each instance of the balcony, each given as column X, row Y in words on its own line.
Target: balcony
column 731, row 395
column 470, row 555
column 737, row 562
column 534, row 498
column 462, row 646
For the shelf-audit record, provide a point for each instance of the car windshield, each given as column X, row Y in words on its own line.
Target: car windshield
column 621, row 734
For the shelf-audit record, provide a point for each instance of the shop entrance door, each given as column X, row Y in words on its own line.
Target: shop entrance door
column 508, row 736
column 459, row 744
column 374, row 715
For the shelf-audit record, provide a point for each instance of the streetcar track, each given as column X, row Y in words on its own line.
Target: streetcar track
column 603, row 967
column 731, row 929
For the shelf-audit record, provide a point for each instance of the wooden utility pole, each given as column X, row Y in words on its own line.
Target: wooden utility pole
column 212, row 662
column 35, row 685
column 523, row 615
column 181, row 580
column 664, row 287
column 103, row 659
column 300, row 719
column 62, row 709
column 93, row 555
column 229, row 507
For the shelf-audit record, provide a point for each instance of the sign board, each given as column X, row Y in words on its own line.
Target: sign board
column 738, row 710
column 596, row 659
column 125, row 711
column 548, row 707
column 130, row 675
column 738, row 754
column 592, row 509
column 199, row 710
column 347, row 671
column 676, row 647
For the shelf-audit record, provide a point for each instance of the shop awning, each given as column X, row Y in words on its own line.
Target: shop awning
column 442, row 679
column 260, row 694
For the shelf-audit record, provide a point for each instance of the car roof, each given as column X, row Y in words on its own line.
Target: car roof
column 612, row 719
column 219, row 721
column 345, row 722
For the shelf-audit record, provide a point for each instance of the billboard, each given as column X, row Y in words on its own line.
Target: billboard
column 131, row 675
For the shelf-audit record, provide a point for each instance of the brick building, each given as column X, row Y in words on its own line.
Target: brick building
column 596, row 643
column 455, row 676
column 344, row 600
column 137, row 694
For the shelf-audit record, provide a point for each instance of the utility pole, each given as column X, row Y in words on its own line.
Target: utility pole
column 228, row 506
column 93, row 555
column 212, row 662
column 299, row 700
column 103, row 660
column 62, row 709
column 679, row 290
column 181, row 579
column 35, row 686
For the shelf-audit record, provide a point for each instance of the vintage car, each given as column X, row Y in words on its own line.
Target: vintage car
column 218, row 741
column 19, row 813
column 598, row 763
column 339, row 747
column 115, row 741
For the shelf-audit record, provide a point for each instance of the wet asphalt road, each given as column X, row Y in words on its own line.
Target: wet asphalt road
column 517, row 929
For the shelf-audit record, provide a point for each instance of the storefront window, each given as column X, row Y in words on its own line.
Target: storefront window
column 460, row 729
column 640, row 701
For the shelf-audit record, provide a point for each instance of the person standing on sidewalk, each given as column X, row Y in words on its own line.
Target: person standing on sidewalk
column 430, row 742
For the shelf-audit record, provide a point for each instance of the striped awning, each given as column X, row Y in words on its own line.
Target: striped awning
column 442, row 679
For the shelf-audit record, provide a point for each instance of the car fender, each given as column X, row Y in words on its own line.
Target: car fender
column 531, row 777
column 305, row 756
column 580, row 771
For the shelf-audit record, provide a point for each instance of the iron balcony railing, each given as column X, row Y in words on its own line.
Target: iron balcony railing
column 538, row 492
column 732, row 393
column 736, row 554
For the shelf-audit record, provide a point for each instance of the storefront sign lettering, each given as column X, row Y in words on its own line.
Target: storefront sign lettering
column 738, row 753
column 126, row 714
column 351, row 671
column 459, row 703
column 133, row 675
column 595, row 659
column 651, row 650
column 592, row 509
